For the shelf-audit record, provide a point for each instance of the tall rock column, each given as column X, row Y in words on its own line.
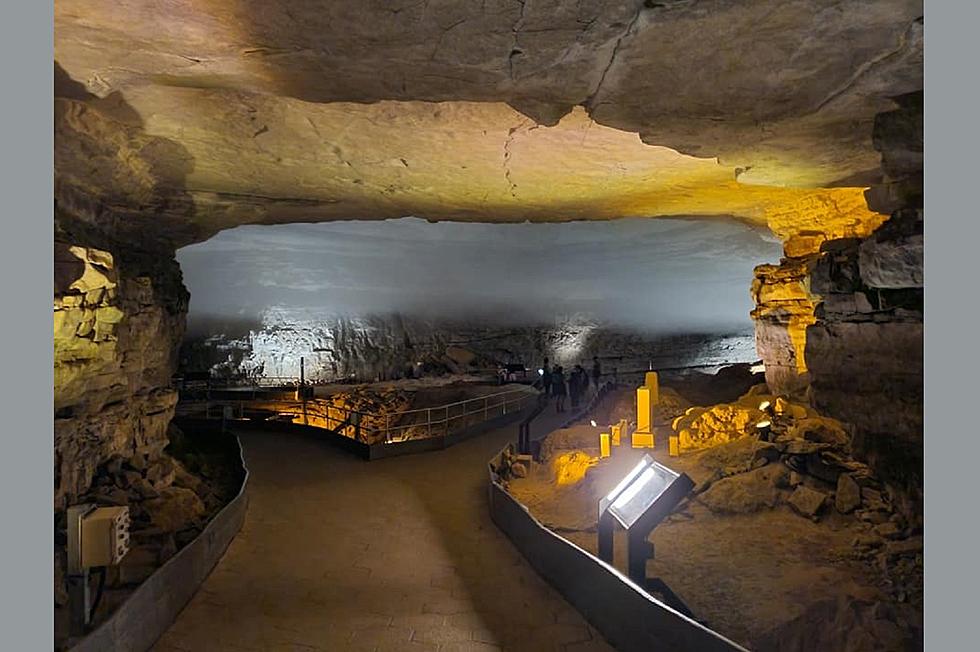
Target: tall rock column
column 118, row 320
column 840, row 318
column 784, row 310
column 866, row 346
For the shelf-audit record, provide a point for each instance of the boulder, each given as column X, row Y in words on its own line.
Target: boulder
column 848, row 496
column 807, row 502
column 161, row 473
column 142, row 489
column 128, row 479
column 187, row 480
column 767, row 451
column 112, row 496
column 889, row 530
column 460, row 356
column 822, row 468
column 747, row 492
column 821, row 430
column 874, row 517
column 849, row 622
column 801, row 447
column 909, row 547
column 867, row 541
column 176, row 508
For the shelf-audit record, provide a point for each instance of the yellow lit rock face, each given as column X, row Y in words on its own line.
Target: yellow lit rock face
column 208, row 114
column 570, row 468
column 86, row 312
column 784, row 310
column 115, row 335
column 217, row 164
column 785, row 91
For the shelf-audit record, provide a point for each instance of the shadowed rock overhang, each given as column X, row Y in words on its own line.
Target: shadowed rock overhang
column 214, row 113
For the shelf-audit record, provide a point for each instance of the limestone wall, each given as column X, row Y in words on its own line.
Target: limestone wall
column 844, row 324
column 117, row 324
column 865, row 350
column 784, row 310
column 368, row 347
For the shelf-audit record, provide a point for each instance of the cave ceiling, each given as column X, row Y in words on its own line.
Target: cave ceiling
column 186, row 117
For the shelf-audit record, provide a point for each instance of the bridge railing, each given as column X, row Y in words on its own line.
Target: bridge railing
column 417, row 423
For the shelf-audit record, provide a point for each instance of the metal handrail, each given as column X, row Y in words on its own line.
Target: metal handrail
column 319, row 409
column 468, row 400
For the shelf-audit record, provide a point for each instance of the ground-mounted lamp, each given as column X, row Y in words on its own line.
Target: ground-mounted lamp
column 647, row 398
column 618, row 431
column 97, row 537
column 639, row 503
column 764, row 430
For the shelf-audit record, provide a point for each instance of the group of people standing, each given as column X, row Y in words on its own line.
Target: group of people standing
column 554, row 383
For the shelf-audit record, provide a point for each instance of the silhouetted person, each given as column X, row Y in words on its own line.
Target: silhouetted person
column 546, row 378
column 559, row 388
column 577, row 384
column 596, row 371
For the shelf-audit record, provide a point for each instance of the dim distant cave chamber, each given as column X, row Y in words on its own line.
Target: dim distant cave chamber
column 532, row 113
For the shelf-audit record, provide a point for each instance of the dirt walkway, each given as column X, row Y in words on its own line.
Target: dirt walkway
column 398, row 554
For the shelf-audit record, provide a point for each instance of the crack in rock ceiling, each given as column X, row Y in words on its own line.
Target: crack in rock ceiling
column 214, row 113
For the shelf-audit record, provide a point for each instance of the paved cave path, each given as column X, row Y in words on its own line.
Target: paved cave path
column 397, row 554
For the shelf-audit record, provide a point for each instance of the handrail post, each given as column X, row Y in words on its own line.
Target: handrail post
column 428, row 422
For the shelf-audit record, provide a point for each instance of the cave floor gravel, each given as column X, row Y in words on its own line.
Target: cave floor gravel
column 398, row 554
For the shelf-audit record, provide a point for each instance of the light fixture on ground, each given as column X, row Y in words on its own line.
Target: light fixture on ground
column 647, row 398
column 618, row 431
column 764, row 430
column 639, row 503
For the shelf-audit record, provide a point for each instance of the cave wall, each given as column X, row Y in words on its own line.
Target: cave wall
column 852, row 312
column 784, row 310
column 865, row 349
column 866, row 346
column 119, row 315
column 373, row 346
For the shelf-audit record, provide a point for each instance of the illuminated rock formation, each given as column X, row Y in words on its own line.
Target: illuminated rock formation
column 371, row 347
column 174, row 121
column 786, row 92
column 117, row 324
column 845, row 323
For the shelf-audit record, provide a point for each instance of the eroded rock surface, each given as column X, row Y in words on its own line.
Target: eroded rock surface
column 853, row 312
column 241, row 112
column 392, row 346
column 117, row 322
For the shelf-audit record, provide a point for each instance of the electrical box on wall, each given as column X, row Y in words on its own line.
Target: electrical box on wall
column 97, row 537
column 104, row 536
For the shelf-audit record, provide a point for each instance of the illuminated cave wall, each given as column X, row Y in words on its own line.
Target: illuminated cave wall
column 865, row 351
column 843, row 323
column 118, row 319
column 372, row 347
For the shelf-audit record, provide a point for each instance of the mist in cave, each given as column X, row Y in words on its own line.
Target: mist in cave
column 651, row 276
